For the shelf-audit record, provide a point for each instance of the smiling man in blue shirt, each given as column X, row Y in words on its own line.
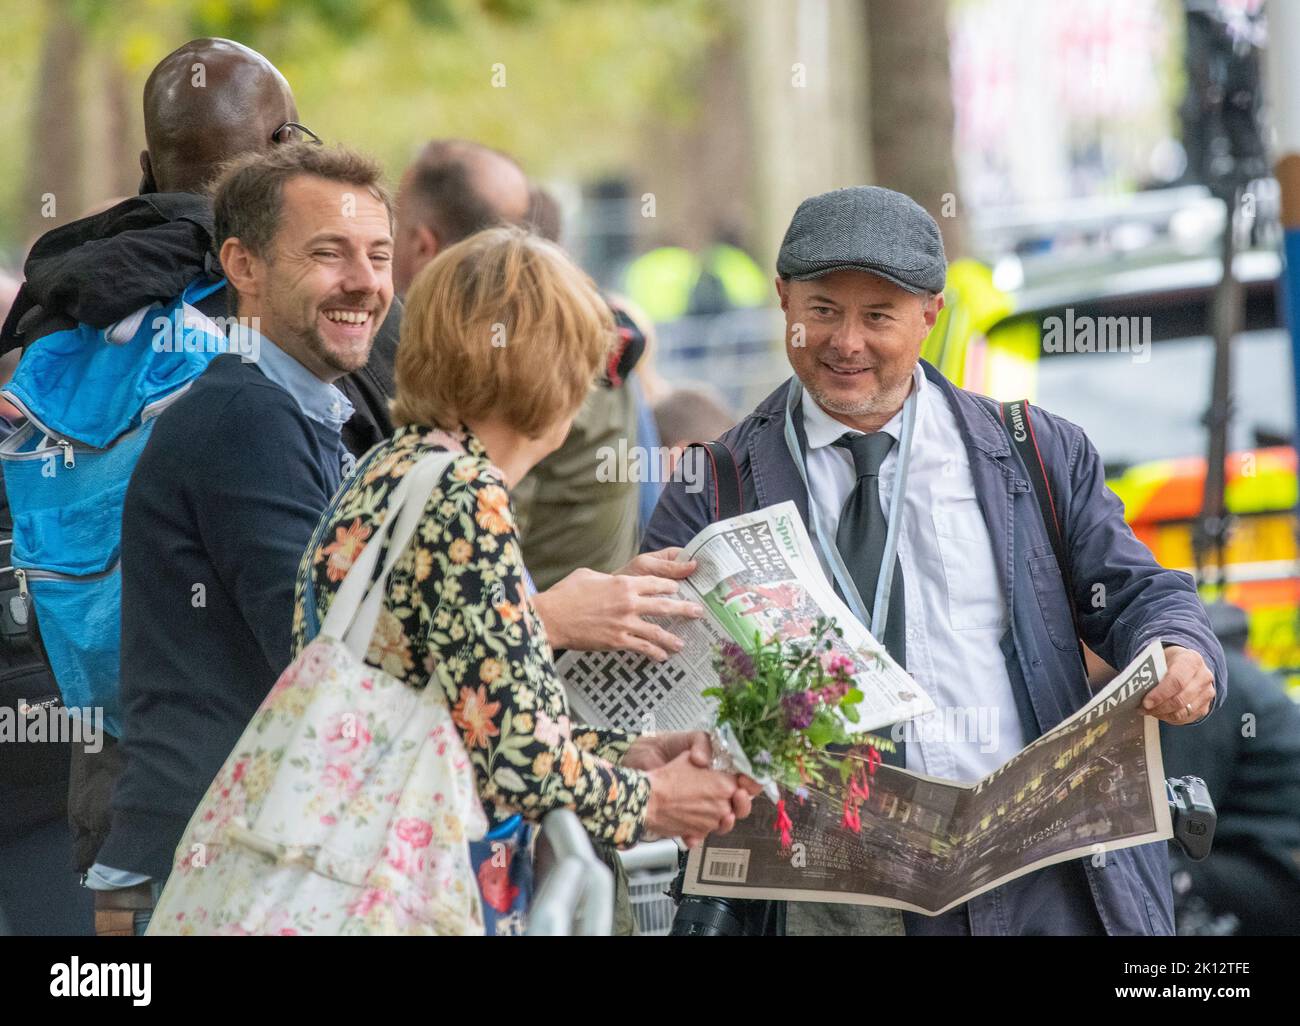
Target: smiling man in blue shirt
column 231, row 485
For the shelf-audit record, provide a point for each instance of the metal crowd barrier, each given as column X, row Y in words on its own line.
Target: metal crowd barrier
column 575, row 890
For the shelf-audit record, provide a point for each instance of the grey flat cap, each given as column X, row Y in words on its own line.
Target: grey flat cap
column 865, row 228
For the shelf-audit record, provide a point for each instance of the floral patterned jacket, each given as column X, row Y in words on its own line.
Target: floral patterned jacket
column 458, row 614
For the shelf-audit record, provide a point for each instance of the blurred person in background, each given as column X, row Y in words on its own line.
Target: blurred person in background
column 453, row 189
column 459, row 615
column 691, row 414
column 672, row 281
column 229, row 489
column 1248, row 754
column 545, row 216
column 569, row 515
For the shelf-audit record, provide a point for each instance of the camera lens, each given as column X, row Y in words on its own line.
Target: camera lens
column 709, row 917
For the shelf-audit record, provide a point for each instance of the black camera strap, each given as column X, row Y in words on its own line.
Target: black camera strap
column 1020, row 430
column 728, row 499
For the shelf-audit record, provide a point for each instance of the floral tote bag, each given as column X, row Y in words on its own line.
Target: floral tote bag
column 348, row 805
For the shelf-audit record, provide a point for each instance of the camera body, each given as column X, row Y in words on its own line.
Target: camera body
column 1193, row 814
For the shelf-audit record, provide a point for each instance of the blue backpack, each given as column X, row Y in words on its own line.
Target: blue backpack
column 91, row 397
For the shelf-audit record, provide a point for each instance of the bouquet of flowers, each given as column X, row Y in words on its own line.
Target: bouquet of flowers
column 781, row 706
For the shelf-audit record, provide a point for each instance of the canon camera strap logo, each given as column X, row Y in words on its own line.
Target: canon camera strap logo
column 1018, row 423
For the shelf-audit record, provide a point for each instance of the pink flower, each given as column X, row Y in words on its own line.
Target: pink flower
column 312, row 662
column 338, row 775
column 874, row 759
column 368, row 900
column 346, row 734
column 549, row 731
column 783, row 824
column 286, row 680
column 837, row 664
column 415, row 832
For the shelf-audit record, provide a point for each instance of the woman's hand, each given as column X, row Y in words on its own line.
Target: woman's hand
column 650, row 751
column 601, row 612
column 690, row 802
column 682, row 760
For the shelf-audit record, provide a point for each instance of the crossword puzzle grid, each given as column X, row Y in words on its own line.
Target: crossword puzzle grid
column 624, row 687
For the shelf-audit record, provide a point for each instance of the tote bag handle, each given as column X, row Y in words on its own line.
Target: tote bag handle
column 353, row 614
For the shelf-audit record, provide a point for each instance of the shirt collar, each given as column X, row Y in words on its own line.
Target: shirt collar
column 822, row 429
column 319, row 400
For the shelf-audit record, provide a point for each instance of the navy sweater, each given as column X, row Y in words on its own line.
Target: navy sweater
column 218, row 513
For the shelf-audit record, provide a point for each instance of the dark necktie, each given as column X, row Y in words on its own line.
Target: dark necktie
column 860, row 536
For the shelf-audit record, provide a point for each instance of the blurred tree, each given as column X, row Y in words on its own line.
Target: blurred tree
column 53, row 192
column 564, row 85
column 911, row 107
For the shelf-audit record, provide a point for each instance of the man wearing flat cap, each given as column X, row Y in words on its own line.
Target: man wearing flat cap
column 976, row 608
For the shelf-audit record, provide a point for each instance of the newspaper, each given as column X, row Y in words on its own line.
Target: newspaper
column 1094, row 784
column 757, row 573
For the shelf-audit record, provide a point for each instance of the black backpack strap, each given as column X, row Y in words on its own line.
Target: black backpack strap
column 1020, row 430
column 727, row 496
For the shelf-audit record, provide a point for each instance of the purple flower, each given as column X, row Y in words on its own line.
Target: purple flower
column 738, row 661
column 799, row 707
column 763, row 757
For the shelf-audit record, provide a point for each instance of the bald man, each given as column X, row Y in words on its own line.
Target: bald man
column 206, row 102
column 453, row 189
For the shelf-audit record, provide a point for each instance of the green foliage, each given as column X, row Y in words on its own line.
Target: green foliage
column 582, row 78
column 787, row 702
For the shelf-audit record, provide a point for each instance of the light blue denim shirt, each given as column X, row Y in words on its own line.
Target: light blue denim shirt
column 319, row 400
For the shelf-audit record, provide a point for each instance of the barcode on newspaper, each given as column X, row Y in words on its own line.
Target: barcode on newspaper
column 725, row 865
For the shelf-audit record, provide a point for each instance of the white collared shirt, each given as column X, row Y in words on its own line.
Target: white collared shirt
column 956, row 612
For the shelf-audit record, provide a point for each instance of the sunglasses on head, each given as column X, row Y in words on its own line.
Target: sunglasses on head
column 291, row 131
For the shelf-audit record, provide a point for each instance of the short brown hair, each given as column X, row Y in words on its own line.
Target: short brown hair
column 500, row 324
column 248, row 194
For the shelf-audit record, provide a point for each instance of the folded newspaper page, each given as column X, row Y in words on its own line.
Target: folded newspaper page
column 1094, row 784
column 757, row 573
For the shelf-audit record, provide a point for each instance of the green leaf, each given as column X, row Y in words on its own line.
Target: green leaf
column 514, row 756
column 820, row 732
column 509, row 779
